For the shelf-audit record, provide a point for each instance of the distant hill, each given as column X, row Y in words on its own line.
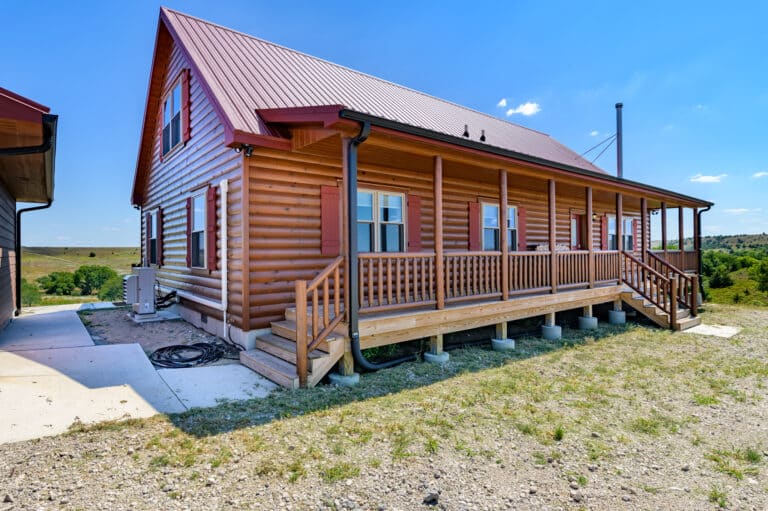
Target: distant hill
column 39, row 261
column 735, row 242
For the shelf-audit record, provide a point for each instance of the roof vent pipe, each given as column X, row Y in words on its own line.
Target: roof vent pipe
column 619, row 143
column 466, row 131
column 482, row 136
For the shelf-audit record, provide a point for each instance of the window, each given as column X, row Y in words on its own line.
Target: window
column 152, row 245
column 612, row 244
column 197, row 242
column 172, row 118
column 578, row 231
column 627, row 234
column 380, row 221
column 491, row 233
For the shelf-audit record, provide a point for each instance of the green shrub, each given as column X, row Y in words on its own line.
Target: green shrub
column 90, row 278
column 112, row 290
column 30, row 293
column 720, row 278
column 58, row 283
column 760, row 274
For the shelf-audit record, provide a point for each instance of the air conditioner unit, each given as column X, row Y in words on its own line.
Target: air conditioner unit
column 139, row 290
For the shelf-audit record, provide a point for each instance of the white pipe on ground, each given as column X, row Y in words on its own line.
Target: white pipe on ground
column 224, row 186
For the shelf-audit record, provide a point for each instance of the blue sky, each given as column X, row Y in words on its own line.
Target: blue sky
column 692, row 79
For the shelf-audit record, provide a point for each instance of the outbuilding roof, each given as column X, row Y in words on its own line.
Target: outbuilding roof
column 247, row 74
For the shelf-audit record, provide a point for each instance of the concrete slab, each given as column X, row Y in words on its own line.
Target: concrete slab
column 715, row 330
column 202, row 387
column 42, row 392
column 96, row 306
column 45, row 330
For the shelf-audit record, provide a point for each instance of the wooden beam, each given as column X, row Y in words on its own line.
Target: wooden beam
column 587, row 311
column 439, row 267
column 590, row 235
column 347, row 364
column 552, row 236
column 643, row 228
column 504, row 235
column 664, row 228
column 436, row 344
column 681, row 230
column 619, row 221
column 501, row 330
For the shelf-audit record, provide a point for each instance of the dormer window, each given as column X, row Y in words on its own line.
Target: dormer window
column 172, row 119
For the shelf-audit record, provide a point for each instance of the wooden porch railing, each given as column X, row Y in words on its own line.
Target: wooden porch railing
column 472, row 275
column 652, row 285
column 572, row 268
column 607, row 266
column 390, row 281
column 528, row 272
column 687, row 285
column 687, row 260
column 324, row 292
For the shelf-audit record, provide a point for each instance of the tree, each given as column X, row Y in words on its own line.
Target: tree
column 760, row 274
column 720, row 278
column 90, row 278
column 112, row 290
column 30, row 293
column 58, row 283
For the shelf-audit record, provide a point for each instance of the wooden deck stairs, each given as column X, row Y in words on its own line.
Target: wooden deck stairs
column 658, row 316
column 275, row 354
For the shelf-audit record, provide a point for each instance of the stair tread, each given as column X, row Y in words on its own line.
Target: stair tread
column 287, row 345
column 275, row 362
column 290, row 326
column 271, row 367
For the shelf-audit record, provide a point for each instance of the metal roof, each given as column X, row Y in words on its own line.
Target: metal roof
column 246, row 74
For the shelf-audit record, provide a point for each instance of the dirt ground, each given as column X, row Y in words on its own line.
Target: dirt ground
column 115, row 327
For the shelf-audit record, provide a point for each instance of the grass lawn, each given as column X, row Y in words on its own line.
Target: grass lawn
column 743, row 291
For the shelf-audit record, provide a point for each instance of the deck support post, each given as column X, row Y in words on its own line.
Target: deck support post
column 590, row 240
column 550, row 331
column 346, row 375
column 643, row 229
column 552, row 237
column 504, row 234
column 664, row 229
column 501, row 342
column 617, row 316
column 436, row 355
column 587, row 321
column 439, row 263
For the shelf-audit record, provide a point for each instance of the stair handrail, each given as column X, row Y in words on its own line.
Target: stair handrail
column 687, row 284
column 652, row 285
column 321, row 328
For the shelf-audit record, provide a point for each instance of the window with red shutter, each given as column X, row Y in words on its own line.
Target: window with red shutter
column 149, row 240
column 330, row 220
column 210, row 228
column 159, row 236
column 414, row 223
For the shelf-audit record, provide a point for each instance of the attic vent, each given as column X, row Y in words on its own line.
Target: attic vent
column 466, row 131
column 482, row 135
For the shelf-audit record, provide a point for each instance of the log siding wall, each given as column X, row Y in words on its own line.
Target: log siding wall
column 185, row 171
column 7, row 256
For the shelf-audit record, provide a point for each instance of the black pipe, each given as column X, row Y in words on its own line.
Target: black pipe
column 18, row 250
column 698, row 238
column 619, row 143
column 354, row 331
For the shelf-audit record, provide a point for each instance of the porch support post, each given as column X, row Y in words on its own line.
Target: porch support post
column 643, row 229
column 696, row 247
column 552, row 237
column 550, row 331
column 619, row 221
column 436, row 355
column 590, row 240
column 681, row 237
column 439, row 263
column 504, row 235
column 664, row 229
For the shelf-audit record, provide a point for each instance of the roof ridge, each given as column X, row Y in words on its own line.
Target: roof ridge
column 400, row 86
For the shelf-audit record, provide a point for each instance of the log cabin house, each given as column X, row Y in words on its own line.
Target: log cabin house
column 288, row 198
column 27, row 158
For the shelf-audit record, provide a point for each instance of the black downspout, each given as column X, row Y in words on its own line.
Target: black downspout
column 354, row 332
column 18, row 250
column 701, row 251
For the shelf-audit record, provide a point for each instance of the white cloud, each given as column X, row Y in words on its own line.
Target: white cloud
column 741, row 211
column 758, row 175
column 701, row 178
column 594, row 133
column 502, row 103
column 527, row 109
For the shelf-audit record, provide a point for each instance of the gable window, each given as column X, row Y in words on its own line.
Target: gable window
column 491, row 233
column 172, row 118
column 197, row 232
column 152, row 237
column 380, row 221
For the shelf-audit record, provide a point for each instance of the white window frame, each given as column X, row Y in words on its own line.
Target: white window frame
column 627, row 233
column 152, row 238
column 169, row 102
column 377, row 222
column 511, row 231
column 201, row 231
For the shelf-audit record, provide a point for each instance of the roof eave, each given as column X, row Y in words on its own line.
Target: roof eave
column 478, row 146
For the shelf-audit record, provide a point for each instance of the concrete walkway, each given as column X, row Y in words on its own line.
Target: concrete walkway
column 52, row 375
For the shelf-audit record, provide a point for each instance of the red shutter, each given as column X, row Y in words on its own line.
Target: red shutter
column 186, row 130
column 635, row 237
column 604, row 232
column 414, row 223
column 160, row 128
column 475, row 235
column 147, row 236
column 159, row 236
column 189, row 232
column 210, row 228
column 522, row 229
column 330, row 220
